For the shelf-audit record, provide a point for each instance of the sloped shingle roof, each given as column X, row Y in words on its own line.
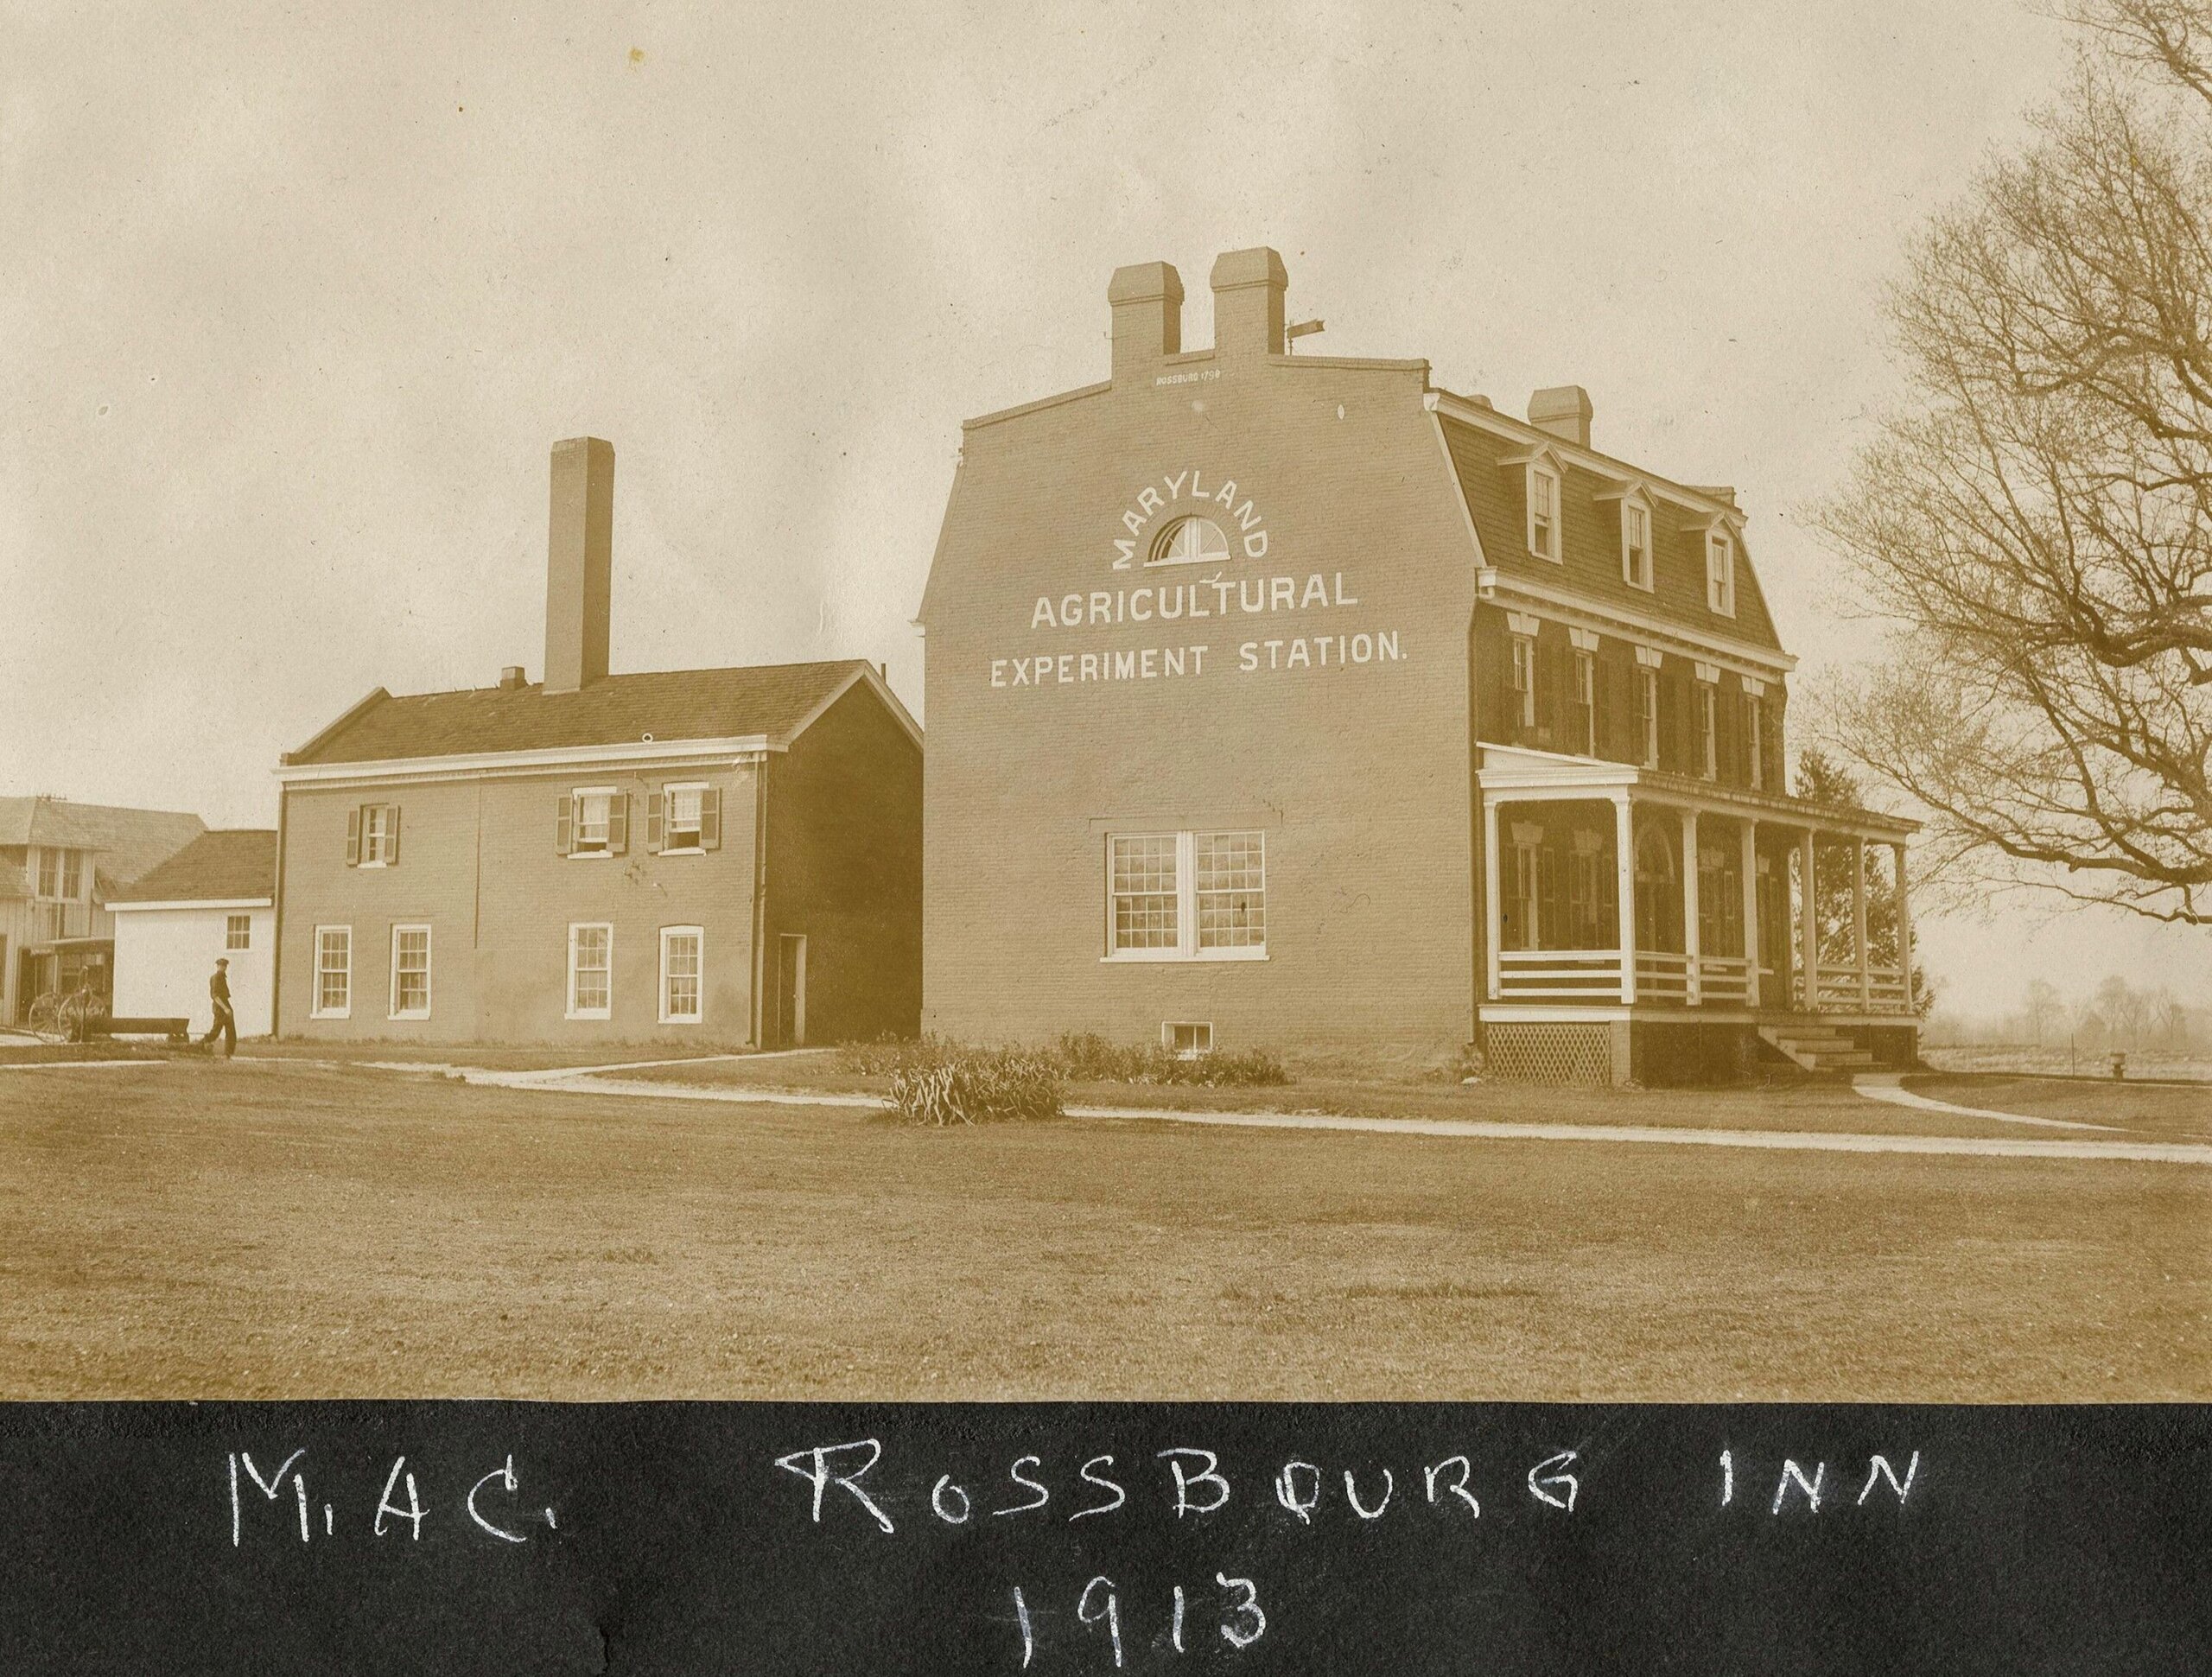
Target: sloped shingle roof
column 127, row 842
column 228, row 865
column 770, row 699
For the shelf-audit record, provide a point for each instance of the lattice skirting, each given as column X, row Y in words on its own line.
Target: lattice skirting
column 1581, row 1055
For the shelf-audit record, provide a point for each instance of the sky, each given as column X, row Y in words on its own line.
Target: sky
column 295, row 303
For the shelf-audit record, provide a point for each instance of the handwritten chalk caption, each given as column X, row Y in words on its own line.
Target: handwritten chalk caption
column 492, row 1502
column 1192, row 1483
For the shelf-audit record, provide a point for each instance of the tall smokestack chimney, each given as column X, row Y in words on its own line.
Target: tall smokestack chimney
column 579, row 564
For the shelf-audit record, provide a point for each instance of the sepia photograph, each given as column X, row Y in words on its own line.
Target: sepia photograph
column 1473, row 704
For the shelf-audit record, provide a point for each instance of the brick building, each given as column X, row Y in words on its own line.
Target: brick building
column 1290, row 700
column 728, row 856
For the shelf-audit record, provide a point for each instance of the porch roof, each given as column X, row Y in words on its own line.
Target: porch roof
column 1515, row 771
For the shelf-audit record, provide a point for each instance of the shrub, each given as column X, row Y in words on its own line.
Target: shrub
column 976, row 1086
column 888, row 1056
column 1086, row 1057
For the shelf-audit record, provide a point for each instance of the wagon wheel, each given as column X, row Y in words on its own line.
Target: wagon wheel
column 45, row 1018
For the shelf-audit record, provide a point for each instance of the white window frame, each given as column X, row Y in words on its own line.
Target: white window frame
column 606, row 1010
column 1636, row 576
column 1187, row 946
column 698, row 1016
column 698, row 845
column 1720, row 572
column 396, row 1011
column 1524, row 677
column 1708, row 728
column 576, row 815
column 1647, row 700
column 1524, row 885
column 1540, row 472
column 1755, row 715
column 376, row 835
column 317, row 1009
column 1585, row 696
column 73, row 889
column 1165, row 545
column 238, row 931
column 46, row 854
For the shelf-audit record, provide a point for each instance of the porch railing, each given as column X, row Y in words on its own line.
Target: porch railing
column 1663, row 979
column 1559, row 974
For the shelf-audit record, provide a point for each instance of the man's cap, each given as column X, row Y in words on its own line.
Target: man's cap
column 222, row 960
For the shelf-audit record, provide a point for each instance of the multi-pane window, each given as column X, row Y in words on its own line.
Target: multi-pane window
column 72, row 876
column 1635, row 544
column 1708, row 697
column 376, row 834
column 411, row 972
column 49, row 874
column 1524, row 679
column 681, row 975
column 1543, row 513
column 238, row 931
column 1200, row 896
column 1586, row 702
column 1719, row 900
column 685, row 805
column 1720, row 574
column 1647, row 713
column 594, row 819
column 1233, row 891
column 1144, row 893
column 1523, row 897
column 1192, row 541
column 333, row 971
column 591, row 968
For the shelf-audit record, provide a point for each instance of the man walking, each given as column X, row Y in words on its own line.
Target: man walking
column 226, row 1024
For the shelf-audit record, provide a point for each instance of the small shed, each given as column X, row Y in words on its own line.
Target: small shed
column 215, row 899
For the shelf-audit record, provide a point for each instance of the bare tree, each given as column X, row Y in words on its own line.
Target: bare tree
column 2036, row 529
column 2040, row 1009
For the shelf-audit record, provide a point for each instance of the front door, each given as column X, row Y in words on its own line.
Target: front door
column 791, row 993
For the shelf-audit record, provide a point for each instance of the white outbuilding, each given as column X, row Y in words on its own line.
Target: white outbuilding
column 214, row 901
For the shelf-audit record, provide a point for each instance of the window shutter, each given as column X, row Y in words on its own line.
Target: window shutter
column 391, row 834
column 618, row 823
column 564, row 826
column 655, row 833
column 353, row 837
column 710, row 818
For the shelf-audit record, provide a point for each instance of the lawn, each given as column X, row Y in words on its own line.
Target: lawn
column 287, row 1228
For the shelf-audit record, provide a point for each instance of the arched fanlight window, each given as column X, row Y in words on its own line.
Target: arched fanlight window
column 1191, row 541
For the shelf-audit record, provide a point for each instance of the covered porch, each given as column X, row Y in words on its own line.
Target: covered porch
column 1612, row 891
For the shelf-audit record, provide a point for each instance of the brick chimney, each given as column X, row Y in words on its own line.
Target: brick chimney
column 1248, row 288
column 579, row 564
column 1565, row 412
column 1147, row 299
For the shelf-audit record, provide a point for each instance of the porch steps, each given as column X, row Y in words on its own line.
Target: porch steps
column 1817, row 1048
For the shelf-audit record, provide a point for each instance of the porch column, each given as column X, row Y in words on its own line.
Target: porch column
column 1491, row 897
column 1904, row 932
column 1809, row 926
column 1690, row 915
column 1625, row 889
column 1859, row 919
column 1750, row 912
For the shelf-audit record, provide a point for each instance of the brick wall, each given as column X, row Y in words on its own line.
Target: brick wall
column 1357, row 773
column 477, row 864
column 845, row 872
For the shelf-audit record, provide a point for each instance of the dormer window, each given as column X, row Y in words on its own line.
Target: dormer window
column 1720, row 573
column 1543, row 511
column 1191, row 541
column 1635, row 544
